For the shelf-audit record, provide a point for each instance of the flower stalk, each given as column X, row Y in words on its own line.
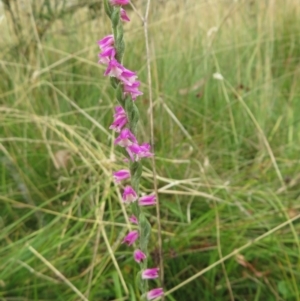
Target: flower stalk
column 126, row 118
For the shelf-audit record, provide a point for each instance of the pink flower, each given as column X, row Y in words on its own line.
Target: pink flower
column 150, row 273
column 118, row 124
column 120, row 119
column 128, row 77
column 133, row 90
column 106, row 42
column 107, row 55
column 155, row 293
column 139, row 256
column 124, row 16
column 126, row 138
column 120, row 175
column 136, row 152
column 133, row 219
column 147, row 200
column 129, row 195
column 131, row 237
column 145, row 150
column 119, row 2
column 114, row 69
column 119, row 110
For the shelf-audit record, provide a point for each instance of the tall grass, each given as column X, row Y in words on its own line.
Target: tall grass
column 227, row 154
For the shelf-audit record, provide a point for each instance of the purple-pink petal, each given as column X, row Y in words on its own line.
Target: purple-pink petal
column 155, row 293
column 125, row 138
column 106, row 42
column 137, row 152
column 119, row 2
column 124, row 16
column 150, row 273
column 107, row 55
column 145, row 150
column 131, row 237
column 129, row 195
column 132, row 150
column 128, row 77
column 119, row 110
column 134, row 85
column 147, row 200
column 118, row 123
column 132, row 90
column 120, row 175
column 114, row 69
column 139, row 256
column 133, row 219
column 120, row 119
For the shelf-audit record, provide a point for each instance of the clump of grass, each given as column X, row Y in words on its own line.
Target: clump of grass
column 226, row 153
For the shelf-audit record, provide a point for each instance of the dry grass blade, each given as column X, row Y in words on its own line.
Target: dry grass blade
column 149, row 75
column 57, row 273
column 230, row 255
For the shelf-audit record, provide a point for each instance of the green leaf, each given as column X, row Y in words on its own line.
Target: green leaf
column 284, row 289
column 115, row 17
column 108, row 8
column 136, row 173
column 145, row 230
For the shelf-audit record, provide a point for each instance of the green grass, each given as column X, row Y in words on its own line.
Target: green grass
column 227, row 155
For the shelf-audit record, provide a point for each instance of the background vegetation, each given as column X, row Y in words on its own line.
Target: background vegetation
column 226, row 103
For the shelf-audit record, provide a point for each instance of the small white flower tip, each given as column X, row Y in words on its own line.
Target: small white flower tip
column 218, row 76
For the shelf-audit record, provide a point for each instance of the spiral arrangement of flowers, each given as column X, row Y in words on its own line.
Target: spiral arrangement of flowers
column 125, row 120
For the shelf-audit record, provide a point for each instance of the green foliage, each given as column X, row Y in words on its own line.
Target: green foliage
column 227, row 152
